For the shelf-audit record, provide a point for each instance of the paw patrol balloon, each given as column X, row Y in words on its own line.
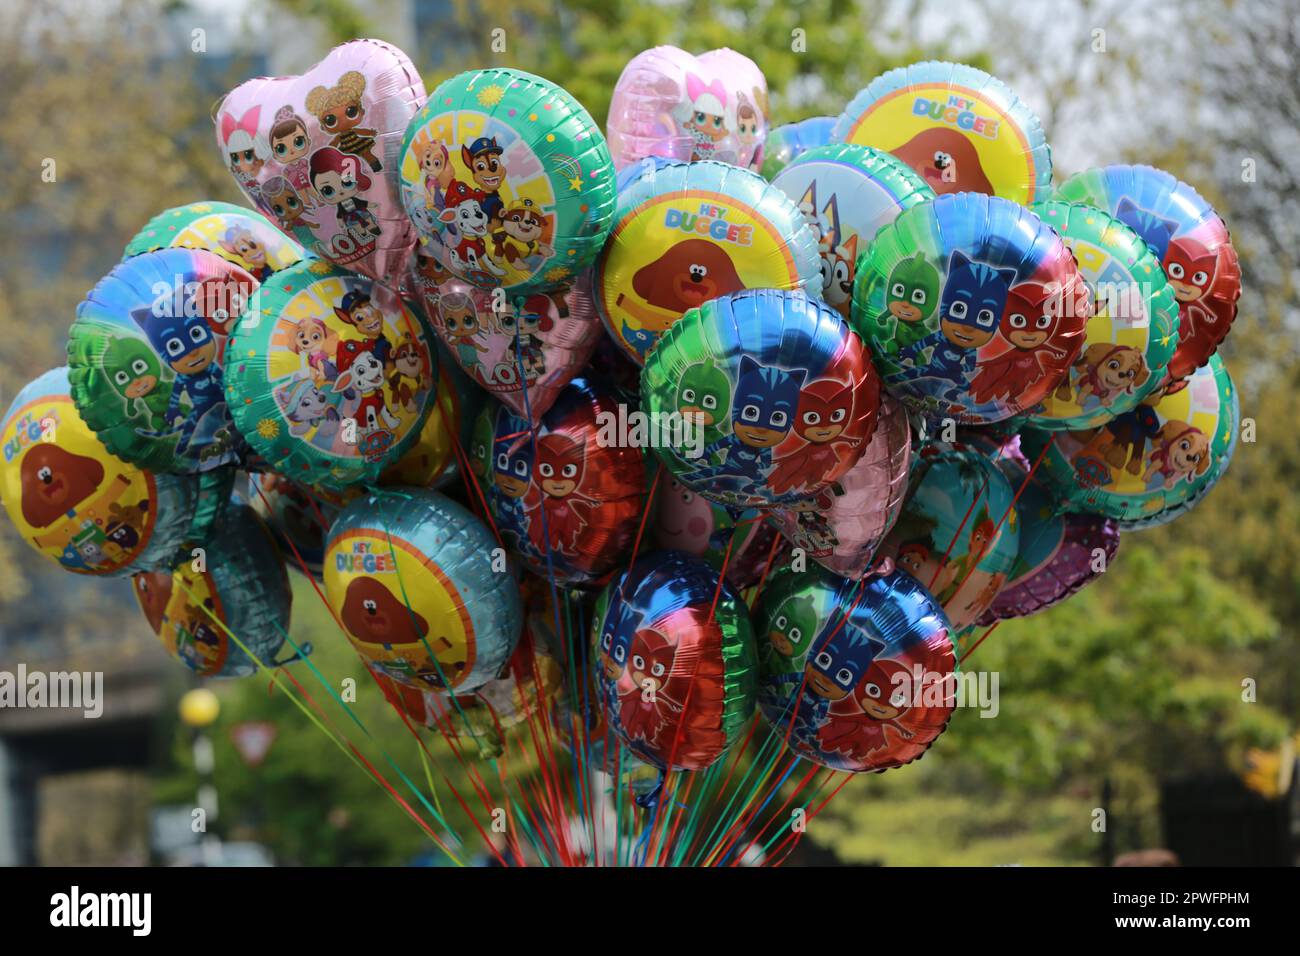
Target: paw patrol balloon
column 958, row 127
column 435, row 458
column 508, row 180
column 411, row 575
column 974, row 308
column 1188, row 238
column 847, row 193
column 146, row 358
column 331, row 376
column 676, row 667
column 959, row 532
column 787, row 143
column 688, row 233
column 669, row 103
column 854, row 675
column 763, row 398
column 240, row 236
column 1151, row 464
column 1134, row 326
column 319, row 153
column 242, row 590
column 79, row 505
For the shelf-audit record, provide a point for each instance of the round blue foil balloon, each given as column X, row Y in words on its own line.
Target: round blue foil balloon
column 676, row 665
column 788, row 142
column 239, row 588
column 855, row 675
column 413, row 578
column 762, row 397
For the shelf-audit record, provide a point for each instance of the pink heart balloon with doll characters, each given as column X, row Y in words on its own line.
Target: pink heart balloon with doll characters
column 318, row 154
column 672, row 104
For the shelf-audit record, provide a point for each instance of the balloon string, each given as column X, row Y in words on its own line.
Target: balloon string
column 971, row 650
column 776, row 789
column 813, row 770
column 794, row 836
column 956, row 534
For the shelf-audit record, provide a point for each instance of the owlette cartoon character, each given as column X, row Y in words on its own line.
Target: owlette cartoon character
column 362, row 372
column 647, row 706
column 189, row 346
column 317, row 344
column 703, row 396
column 972, row 303
column 1105, row 373
column 290, row 146
column 1181, row 452
column 1028, row 323
column 857, row 725
column 1155, row 232
column 435, row 164
column 483, row 159
column 54, row 482
column 358, row 310
column 246, row 152
column 912, row 297
column 825, row 407
column 408, row 375
column 339, row 111
column 460, row 327
column 373, row 615
column 687, row 275
column 558, row 472
column 336, row 179
column 762, row 414
column 135, row 373
column 288, row 207
column 703, row 116
column 1190, row 268
column 947, row 160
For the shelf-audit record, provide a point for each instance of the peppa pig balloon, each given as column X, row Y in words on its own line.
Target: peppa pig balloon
column 672, row 104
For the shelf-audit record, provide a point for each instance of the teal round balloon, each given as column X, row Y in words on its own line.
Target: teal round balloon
column 241, row 236
column 330, row 376
column 508, row 180
column 413, row 578
column 239, row 588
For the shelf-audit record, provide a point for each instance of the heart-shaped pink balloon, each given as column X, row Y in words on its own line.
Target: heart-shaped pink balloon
column 672, row 104
column 842, row 527
column 522, row 349
column 318, row 154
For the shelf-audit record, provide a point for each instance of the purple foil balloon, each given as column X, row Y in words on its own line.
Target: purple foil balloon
column 669, row 103
column 1059, row 553
column 542, row 340
column 841, row 527
column 319, row 154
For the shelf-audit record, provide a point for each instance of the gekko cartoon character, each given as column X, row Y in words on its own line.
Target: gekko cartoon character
column 337, row 179
column 649, row 703
column 1105, row 372
column 686, row 276
column 358, row 310
column 566, row 512
column 1190, row 268
column 793, row 626
column 825, row 407
column 703, row 116
column 460, row 327
column 188, row 345
column 1180, row 452
column 1153, row 230
column 970, row 307
column 947, row 160
column 762, row 413
column 339, row 111
column 480, row 446
column 911, row 298
column 483, row 160
column 833, row 668
column 54, row 482
column 1028, row 324
column 703, row 397
column 134, row 372
column 857, row 725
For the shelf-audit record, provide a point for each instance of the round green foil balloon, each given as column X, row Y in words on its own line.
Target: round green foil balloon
column 1151, row 464
column 240, row 236
column 1134, row 326
column 508, row 181
column 330, row 376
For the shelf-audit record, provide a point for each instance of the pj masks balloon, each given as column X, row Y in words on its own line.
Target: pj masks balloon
column 411, row 575
column 669, row 103
column 973, row 307
column 319, row 153
column 568, row 498
column 780, row 398
column 676, row 666
column 854, row 675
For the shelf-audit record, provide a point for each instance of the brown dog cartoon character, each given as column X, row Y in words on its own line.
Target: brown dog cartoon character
column 1180, row 452
column 947, row 160
column 686, row 276
column 1107, row 372
column 373, row 615
column 339, row 111
column 54, row 481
